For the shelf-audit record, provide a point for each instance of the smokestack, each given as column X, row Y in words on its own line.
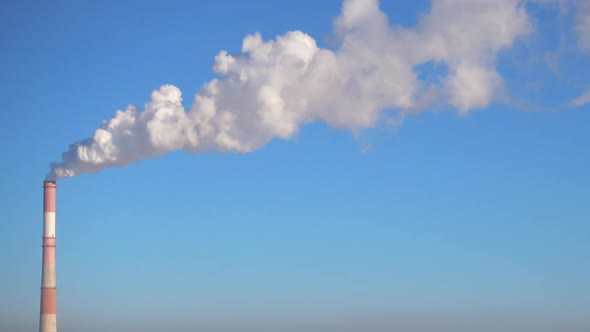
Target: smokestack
column 47, row 322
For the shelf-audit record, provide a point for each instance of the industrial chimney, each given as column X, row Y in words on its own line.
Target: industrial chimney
column 47, row 322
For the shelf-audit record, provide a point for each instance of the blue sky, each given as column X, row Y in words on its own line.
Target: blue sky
column 465, row 220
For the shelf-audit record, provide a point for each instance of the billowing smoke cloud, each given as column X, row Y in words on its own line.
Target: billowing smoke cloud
column 274, row 87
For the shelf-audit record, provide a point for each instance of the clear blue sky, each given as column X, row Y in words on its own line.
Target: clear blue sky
column 448, row 222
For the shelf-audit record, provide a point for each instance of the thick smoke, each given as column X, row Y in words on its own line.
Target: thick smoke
column 274, row 87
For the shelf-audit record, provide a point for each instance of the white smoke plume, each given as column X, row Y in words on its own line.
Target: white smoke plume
column 274, row 87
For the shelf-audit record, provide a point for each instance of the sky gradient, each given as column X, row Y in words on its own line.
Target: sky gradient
column 448, row 220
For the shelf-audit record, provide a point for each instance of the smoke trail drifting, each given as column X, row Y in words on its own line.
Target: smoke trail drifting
column 274, row 87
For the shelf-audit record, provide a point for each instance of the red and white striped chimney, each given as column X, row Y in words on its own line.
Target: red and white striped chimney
column 47, row 321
